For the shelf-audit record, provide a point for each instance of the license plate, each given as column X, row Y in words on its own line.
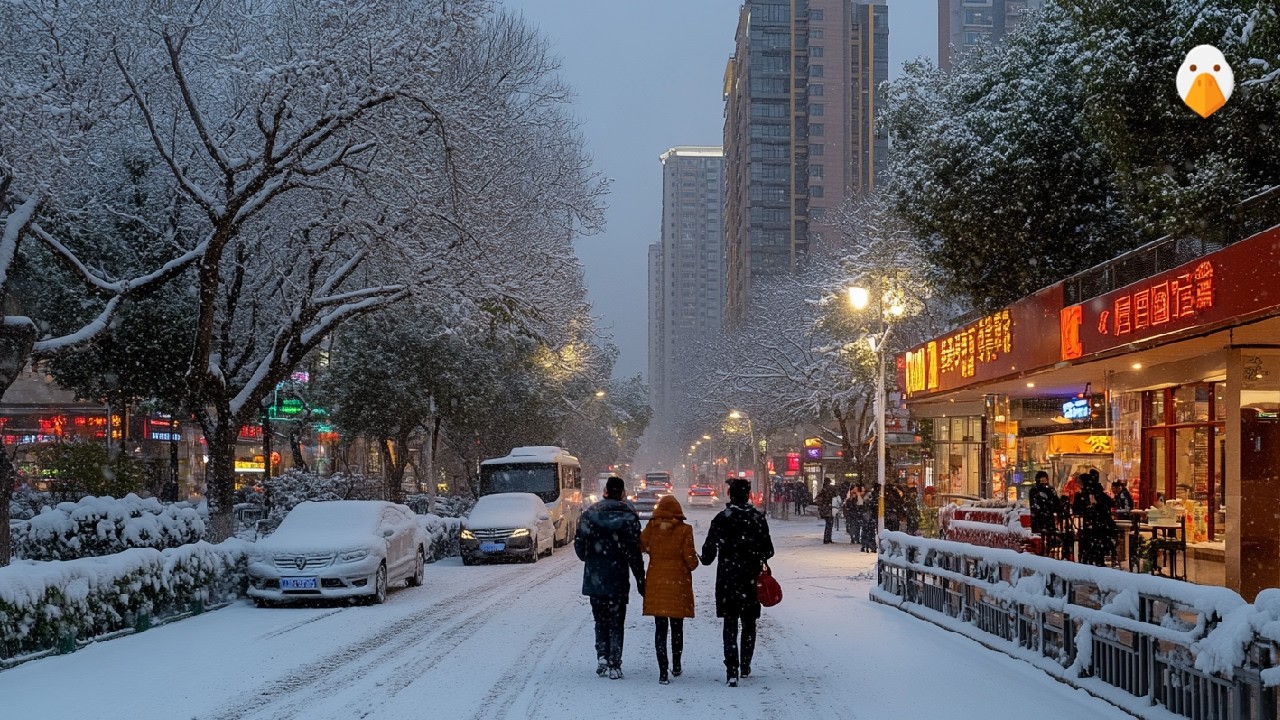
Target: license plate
column 298, row 583
column 492, row 547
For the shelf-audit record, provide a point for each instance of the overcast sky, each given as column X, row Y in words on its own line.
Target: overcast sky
column 648, row 76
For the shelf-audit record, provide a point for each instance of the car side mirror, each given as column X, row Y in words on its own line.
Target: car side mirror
column 388, row 532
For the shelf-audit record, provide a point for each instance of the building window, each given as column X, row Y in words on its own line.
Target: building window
column 815, row 171
column 815, row 71
column 816, row 129
column 815, row 191
column 816, row 89
column 815, row 51
column 816, row 109
column 815, row 34
column 815, row 150
column 815, row 15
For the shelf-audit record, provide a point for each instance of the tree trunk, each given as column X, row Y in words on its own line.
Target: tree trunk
column 394, row 463
column 220, row 478
column 433, row 433
column 15, row 349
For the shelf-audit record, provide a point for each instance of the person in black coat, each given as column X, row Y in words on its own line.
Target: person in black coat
column 1043, row 500
column 608, row 543
column 739, row 535
column 1097, row 528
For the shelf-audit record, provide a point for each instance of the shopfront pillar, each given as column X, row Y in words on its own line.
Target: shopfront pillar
column 1253, row 471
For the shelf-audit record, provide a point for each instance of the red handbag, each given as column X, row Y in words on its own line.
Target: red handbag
column 767, row 588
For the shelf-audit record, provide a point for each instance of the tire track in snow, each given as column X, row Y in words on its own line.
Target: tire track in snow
column 447, row 620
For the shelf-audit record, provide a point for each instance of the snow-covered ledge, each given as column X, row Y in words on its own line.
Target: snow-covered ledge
column 1151, row 645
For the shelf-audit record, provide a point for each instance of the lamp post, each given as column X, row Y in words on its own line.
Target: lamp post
column 860, row 298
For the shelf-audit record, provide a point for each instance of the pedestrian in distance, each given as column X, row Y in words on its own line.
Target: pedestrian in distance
column 668, row 585
column 739, row 536
column 1097, row 528
column 608, row 544
column 853, row 510
column 871, row 519
column 823, row 500
column 893, row 506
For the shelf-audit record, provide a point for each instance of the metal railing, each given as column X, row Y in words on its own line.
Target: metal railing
column 1164, row 642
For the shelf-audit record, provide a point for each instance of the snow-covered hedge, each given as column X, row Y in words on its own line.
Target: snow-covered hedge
column 98, row 526
column 294, row 486
column 444, row 536
column 55, row 605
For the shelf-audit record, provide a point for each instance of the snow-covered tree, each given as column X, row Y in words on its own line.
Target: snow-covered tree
column 1068, row 144
column 343, row 158
column 69, row 166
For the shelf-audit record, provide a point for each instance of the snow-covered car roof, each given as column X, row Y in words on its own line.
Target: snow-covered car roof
column 506, row 510
column 331, row 524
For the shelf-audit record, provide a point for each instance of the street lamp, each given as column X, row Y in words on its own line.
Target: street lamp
column 860, row 298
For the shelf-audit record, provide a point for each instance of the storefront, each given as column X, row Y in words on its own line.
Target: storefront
column 1170, row 383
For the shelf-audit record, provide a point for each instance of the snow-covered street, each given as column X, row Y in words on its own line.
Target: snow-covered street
column 515, row 641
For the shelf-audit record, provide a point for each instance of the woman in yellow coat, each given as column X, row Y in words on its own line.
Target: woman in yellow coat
column 668, row 593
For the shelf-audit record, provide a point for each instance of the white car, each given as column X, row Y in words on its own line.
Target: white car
column 704, row 495
column 338, row 549
column 507, row 525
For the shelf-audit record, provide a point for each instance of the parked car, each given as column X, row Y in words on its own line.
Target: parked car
column 338, row 549
column 646, row 500
column 507, row 525
column 704, row 495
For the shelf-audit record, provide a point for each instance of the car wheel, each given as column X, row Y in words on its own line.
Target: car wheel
column 419, row 562
column 263, row 603
column 379, row 595
column 533, row 557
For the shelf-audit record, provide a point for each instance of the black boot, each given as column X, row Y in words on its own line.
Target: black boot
column 675, row 663
column 662, row 664
column 662, row 677
column 731, row 678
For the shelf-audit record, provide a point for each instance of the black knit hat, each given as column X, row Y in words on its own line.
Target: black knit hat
column 739, row 490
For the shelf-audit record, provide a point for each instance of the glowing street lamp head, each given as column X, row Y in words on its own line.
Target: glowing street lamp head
column 735, row 414
column 859, row 297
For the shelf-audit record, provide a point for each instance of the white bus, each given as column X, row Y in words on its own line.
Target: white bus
column 547, row 471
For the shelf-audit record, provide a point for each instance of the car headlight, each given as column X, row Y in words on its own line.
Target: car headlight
column 468, row 535
column 354, row 555
column 520, row 532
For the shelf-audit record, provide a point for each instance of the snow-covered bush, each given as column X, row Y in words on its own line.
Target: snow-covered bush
column 444, row 536
column 294, row 486
column 46, row 605
column 98, row 526
column 26, row 503
column 449, row 506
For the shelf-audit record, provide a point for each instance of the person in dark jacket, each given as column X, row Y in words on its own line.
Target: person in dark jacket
column 893, row 506
column 1043, row 500
column 823, row 500
column 1097, row 528
column 608, row 543
column 739, row 535
column 871, row 519
column 1123, row 500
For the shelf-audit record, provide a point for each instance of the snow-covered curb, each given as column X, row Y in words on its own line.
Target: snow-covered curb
column 55, row 606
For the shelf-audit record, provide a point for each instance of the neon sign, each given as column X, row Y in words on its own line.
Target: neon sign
column 1181, row 296
column 1077, row 409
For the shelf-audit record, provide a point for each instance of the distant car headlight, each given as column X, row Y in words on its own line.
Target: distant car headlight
column 468, row 535
column 520, row 532
column 353, row 555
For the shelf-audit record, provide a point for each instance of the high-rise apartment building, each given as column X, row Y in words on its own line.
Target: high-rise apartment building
column 686, row 270
column 966, row 24
column 801, row 101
